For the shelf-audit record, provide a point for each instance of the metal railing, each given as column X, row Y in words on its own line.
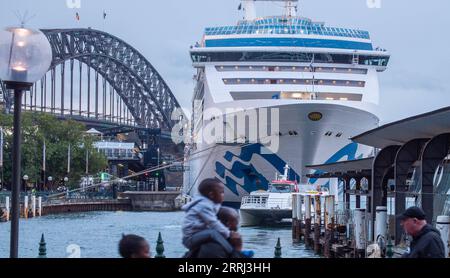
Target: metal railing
column 266, row 202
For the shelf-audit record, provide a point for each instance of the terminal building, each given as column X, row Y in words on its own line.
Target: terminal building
column 411, row 167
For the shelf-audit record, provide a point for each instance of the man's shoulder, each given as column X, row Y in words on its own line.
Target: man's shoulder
column 431, row 234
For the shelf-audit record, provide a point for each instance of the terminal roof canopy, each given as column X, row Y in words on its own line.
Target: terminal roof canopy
column 342, row 168
column 426, row 125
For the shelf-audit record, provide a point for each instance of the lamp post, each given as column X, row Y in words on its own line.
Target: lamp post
column 25, row 181
column 25, row 57
column 159, row 152
column 66, row 179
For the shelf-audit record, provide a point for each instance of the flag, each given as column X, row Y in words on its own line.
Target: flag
column 104, row 14
column 77, row 16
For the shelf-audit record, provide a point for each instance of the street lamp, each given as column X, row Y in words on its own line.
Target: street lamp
column 25, row 57
column 66, row 179
column 159, row 152
column 49, row 179
column 25, row 180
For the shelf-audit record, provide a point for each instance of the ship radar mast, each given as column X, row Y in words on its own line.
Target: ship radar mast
column 285, row 176
column 250, row 10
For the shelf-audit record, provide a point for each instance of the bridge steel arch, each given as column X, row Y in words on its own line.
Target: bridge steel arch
column 141, row 88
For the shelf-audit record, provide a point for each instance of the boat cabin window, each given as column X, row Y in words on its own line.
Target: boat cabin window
column 281, row 188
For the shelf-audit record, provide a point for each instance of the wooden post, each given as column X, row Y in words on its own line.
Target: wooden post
column 25, row 207
column 40, row 206
column 299, row 216
column 329, row 226
column 317, row 223
column 307, row 220
column 8, row 208
column 33, row 205
column 294, row 217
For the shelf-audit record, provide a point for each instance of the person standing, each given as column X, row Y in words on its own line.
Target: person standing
column 427, row 242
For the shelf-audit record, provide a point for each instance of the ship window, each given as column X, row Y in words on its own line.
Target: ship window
column 291, row 69
column 202, row 57
column 324, row 82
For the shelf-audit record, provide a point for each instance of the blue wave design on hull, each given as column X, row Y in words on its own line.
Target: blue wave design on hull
column 250, row 175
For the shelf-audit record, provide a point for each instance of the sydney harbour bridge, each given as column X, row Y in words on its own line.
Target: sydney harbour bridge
column 102, row 81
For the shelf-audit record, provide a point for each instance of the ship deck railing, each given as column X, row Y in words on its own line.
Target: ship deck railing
column 265, row 202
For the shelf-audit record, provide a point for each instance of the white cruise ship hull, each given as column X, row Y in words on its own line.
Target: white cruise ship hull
column 316, row 142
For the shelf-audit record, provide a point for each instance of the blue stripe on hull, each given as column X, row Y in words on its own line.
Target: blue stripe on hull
column 288, row 42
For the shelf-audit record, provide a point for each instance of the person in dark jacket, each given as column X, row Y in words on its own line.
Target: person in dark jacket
column 427, row 242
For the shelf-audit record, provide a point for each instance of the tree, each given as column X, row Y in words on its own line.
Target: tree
column 58, row 135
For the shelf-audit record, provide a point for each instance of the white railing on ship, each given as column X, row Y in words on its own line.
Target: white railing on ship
column 263, row 202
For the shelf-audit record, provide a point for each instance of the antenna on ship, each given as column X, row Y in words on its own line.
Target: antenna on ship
column 250, row 11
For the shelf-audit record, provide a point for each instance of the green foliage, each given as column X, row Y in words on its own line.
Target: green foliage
column 38, row 128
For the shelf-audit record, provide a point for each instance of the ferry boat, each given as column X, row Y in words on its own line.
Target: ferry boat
column 317, row 84
column 274, row 205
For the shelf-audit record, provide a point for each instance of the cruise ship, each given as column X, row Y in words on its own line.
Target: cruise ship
column 304, row 85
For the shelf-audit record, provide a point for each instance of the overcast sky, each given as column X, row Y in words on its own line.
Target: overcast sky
column 415, row 32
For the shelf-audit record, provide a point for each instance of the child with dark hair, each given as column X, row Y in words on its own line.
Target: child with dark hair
column 134, row 247
column 201, row 223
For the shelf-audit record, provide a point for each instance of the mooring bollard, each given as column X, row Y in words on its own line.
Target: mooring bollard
column 25, row 207
column 160, row 248
column 8, row 208
column 42, row 248
column 40, row 206
column 278, row 249
column 360, row 239
column 443, row 225
column 33, row 206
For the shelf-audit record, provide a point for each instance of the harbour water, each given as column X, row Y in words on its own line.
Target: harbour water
column 97, row 234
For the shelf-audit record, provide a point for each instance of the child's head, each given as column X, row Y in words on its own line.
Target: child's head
column 213, row 190
column 229, row 217
column 134, row 247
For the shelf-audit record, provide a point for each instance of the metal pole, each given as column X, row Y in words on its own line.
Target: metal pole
column 14, row 243
column 1, row 157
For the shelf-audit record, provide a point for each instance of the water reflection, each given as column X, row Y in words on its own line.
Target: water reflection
column 98, row 233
